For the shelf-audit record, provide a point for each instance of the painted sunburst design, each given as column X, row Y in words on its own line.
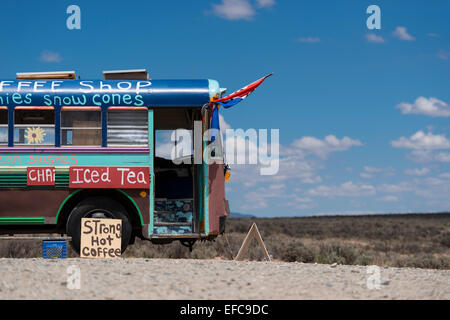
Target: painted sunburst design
column 35, row 135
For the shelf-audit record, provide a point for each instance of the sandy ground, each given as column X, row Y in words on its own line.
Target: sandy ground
column 212, row 279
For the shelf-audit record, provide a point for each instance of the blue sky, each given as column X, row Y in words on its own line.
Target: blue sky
column 363, row 114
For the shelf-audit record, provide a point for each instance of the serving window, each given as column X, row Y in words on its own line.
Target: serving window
column 34, row 126
column 81, row 126
column 3, row 126
column 127, row 126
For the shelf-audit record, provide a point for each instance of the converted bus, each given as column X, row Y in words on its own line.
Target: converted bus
column 86, row 148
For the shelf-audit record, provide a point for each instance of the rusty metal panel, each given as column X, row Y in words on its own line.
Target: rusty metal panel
column 217, row 202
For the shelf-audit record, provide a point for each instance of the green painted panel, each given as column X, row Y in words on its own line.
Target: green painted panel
column 134, row 203
column 64, row 202
column 18, row 179
column 80, row 159
column 151, row 140
column 206, row 186
column 22, row 220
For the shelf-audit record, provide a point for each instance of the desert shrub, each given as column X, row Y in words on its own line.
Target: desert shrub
column 336, row 253
column 445, row 239
column 238, row 225
column 20, row 249
column 382, row 246
column 204, row 252
column 297, row 252
column 406, row 247
column 363, row 260
column 423, row 261
column 146, row 249
column 413, row 240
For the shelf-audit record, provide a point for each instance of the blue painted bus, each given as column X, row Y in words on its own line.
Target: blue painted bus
column 86, row 148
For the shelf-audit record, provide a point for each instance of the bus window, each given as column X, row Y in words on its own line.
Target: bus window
column 34, row 126
column 127, row 126
column 81, row 126
column 3, row 126
column 174, row 144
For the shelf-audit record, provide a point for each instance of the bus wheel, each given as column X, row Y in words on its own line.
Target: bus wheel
column 97, row 207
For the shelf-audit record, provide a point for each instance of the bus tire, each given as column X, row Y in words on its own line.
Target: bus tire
column 97, row 207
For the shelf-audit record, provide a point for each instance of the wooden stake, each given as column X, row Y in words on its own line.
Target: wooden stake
column 253, row 233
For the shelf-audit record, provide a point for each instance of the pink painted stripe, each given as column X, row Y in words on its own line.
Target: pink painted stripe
column 140, row 150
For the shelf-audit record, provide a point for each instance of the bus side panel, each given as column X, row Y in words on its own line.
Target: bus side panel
column 32, row 203
column 142, row 203
column 217, row 206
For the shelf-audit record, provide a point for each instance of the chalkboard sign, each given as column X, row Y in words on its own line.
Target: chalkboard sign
column 101, row 238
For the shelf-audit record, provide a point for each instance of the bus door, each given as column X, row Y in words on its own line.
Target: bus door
column 176, row 186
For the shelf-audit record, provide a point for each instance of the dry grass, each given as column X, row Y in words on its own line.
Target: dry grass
column 413, row 240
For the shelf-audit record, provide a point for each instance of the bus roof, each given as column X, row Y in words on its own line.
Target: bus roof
column 105, row 93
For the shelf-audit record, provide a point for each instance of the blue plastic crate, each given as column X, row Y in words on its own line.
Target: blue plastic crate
column 52, row 249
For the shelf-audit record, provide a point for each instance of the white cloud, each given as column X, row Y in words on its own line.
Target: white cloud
column 370, row 172
column 394, row 188
column 234, row 9
column 299, row 161
column 277, row 186
column 298, row 202
column 429, row 187
column 372, row 169
column 442, row 157
column 443, row 55
column 258, row 199
column 422, row 141
column 239, row 9
column 311, row 180
column 432, row 181
column 308, row 39
column 372, row 37
column 238, row 147
column 433, row 35
column 297, row 168
column 346, row 189
column 265, row 3
column 445, row 175
column 322, row 148
column 299, row 164
column 431, row 107
column 422, row 156
column 417, row 172
column 49, row 56
column 164, row 149
column 389, row 199
column 164, row 146
column 402, row 34
column 223, row 124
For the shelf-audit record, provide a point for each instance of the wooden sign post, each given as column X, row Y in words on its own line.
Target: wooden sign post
column 253, row 233
column 101, row 238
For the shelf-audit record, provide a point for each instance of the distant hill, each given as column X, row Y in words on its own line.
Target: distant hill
column 240, row 215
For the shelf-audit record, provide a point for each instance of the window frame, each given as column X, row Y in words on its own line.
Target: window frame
column 147, row 145
column 4, row 108
column 88, row 109
column 18, row 126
